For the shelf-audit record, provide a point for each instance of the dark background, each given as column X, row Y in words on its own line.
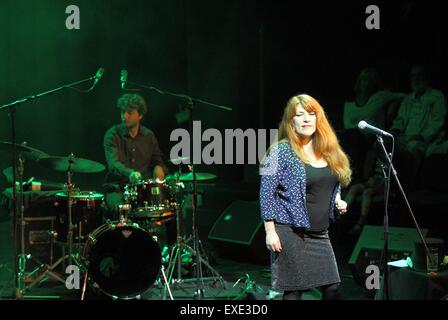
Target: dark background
column 247, row 55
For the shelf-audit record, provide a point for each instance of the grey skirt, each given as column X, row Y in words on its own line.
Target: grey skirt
column 306, row 261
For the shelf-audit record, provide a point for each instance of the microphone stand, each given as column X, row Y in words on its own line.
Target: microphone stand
column 199, row 293
column 385, row 254
column 20, row 258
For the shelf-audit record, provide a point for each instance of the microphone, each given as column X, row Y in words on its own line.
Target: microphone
column 123, row 78
column 365, row 126
column 98, row 76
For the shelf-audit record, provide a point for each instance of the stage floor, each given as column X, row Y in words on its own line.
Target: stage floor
column 254, row 280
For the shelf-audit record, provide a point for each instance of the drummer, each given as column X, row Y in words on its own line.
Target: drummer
column 132, row 150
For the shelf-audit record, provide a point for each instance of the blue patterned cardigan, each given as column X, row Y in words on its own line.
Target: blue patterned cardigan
column 283, row 188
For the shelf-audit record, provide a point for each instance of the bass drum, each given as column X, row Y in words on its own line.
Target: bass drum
column 123, row 260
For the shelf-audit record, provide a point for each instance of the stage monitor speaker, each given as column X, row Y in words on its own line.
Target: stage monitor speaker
column 369, row 248
column 239, row 233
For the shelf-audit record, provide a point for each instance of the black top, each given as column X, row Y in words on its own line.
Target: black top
column 125, row 154
column 320, row 184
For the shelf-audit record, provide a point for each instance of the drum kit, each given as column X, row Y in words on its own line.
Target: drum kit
column 121, row 258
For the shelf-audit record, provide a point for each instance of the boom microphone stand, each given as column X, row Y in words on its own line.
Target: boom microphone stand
column 385, row 253
column 20, row 257
column 199, row 293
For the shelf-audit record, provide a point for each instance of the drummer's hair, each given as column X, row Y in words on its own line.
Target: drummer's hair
column 132, row 101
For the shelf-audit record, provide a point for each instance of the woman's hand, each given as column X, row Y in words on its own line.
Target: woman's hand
column 273, row 242
column 340, row 205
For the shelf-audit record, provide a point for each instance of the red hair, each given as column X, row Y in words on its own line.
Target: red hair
column 325, row 142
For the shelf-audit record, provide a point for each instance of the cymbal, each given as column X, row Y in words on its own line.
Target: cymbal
column 178, row 160
column 79, row 165
column 28, row 152
column 199, row 176
column 171, row 177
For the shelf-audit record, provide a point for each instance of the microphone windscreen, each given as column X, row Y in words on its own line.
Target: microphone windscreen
column 362, row 124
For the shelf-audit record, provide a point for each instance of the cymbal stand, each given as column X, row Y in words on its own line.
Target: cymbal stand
column 22, row 275
column 174, row 253
column 70, row 205
column 181, row 246
column 179, row 231
column 22, row 258
column 167, row 285
column 199, row 293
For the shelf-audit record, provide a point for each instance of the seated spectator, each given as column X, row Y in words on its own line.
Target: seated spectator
column 419, row 122
column 371, row 104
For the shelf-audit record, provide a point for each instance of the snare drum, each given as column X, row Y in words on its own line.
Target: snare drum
column 123, row 260
column 87, row 214
column 150, row 199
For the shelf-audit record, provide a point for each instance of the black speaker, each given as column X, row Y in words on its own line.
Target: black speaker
column 369, row 248
column 239, row 233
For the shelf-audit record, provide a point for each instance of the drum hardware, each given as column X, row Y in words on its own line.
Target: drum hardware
column 39, row 237
column 72, row 193
column 71, row 165
column 22, row 277
column 123, row 212
column 84, row 286
column 73, row 197
column 20, row 257
column 70, row 204
column 181, row 247
column 48, row 270
column 150, row 199
column 87, row 207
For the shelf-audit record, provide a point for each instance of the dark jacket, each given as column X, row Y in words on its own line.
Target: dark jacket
column 125, row 154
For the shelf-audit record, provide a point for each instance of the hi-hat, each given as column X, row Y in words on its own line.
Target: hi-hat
column 199, row 176
column 79, row 165
column 27, row 152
